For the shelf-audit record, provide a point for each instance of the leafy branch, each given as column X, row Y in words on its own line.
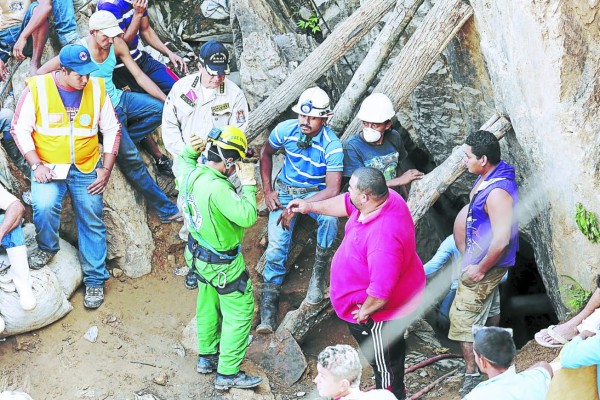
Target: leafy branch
column 576, row 296
column 311, row 25
column 587, row 223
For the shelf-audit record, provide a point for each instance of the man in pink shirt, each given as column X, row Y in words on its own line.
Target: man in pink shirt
column 377, row 278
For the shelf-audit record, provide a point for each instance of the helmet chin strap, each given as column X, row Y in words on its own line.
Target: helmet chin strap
column 228, row 164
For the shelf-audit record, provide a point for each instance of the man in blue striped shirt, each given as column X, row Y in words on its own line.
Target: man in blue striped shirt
column 312, row 169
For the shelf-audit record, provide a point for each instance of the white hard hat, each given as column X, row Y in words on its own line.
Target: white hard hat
column 313, row 102
column 376, row 108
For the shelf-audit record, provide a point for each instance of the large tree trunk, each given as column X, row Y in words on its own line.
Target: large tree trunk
column 432, row 36
column 422, row 196
column 396, row 23
column 342, row 39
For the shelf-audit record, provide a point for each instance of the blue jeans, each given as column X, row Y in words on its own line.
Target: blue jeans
column 139, row 115
column 443, row 314
column 64, row 21
column 14, row 238
column 280, row 239
column 9, row 144
column 64, row 24
column 9, row 36
column 158, row 72
column 91, row 231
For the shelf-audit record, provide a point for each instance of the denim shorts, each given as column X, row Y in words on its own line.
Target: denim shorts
column 9, row 37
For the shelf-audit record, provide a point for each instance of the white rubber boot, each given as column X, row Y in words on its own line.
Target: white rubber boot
column 20, row 273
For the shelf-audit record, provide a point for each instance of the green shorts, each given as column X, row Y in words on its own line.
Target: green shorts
column 473, row 304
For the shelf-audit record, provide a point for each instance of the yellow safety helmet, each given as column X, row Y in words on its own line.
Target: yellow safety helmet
column 230, row 137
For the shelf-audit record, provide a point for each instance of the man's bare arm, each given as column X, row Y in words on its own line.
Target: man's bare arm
column 139, row 9
column 122, row 51
column 42, row 12
column 333, row 183
column 266, row 170
column 12, row 218
column 499, row 206
column 333, row 206
column 154, row 41
column 51, row 65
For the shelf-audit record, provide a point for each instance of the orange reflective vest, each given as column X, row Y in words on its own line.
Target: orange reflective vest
column 59, row 140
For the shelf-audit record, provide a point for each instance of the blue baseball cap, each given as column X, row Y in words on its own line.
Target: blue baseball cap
column 214, row 58
column 77, row 57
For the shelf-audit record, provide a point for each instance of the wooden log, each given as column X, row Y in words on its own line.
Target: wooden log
column 311, row 315
column 397, row 20
column 425, row 192
column 342, row 39
column 423, row 195
column 439, row 26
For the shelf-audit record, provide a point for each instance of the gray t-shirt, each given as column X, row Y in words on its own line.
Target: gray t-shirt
column 385, row 157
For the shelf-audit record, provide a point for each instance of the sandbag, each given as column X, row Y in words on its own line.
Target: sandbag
column 65, row 264
column 52, row 304
column 14, row 395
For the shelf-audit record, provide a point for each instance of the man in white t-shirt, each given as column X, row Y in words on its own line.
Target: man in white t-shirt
column 339, row 372
column 494, row 351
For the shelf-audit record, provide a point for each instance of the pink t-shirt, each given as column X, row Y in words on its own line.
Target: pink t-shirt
column 378, row 257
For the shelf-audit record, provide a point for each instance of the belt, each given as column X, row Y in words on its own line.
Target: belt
column 223, row 286
column 294, row 191
column 239, row 284
column 208, row 256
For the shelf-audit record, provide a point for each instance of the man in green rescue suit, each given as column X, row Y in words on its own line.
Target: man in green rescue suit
column 217, row 217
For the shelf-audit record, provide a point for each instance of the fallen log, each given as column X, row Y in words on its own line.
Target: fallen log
column 342, row 39
column 396, row 23
column 437, row 29
column 422, row 196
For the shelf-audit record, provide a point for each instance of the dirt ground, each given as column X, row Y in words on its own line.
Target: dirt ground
column 138, row 353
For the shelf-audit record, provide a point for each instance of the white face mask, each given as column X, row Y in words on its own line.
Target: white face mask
column 371, row 135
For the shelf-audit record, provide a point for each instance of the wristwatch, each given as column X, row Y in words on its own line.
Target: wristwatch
column 34, row 166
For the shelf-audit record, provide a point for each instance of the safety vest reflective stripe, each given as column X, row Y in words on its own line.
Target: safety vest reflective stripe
column 57, row 139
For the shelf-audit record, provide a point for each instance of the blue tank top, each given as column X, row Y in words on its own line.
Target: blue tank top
column 105, row 70
column 479, row 228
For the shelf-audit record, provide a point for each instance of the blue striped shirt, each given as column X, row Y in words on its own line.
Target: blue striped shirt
column 303, row 168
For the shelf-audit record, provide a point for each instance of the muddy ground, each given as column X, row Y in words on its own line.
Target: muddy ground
column 138, row 353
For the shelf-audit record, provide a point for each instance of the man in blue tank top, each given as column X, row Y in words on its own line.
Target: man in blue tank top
column 492, row 241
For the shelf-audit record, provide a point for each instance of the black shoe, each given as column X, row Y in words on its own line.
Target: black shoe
column 239, row 380
column 207, row 363
column 164, row 165
column 191, row 280
column 469, row 384
column 269, row 303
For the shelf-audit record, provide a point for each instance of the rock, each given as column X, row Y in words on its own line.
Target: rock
column 189, row 336
column 161, row 379
column 300, row 394
column 179, row 349
column 146, row 394
column 92, row 334
column 117, row 272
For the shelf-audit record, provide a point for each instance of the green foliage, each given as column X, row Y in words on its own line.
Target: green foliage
column 576, row 296
column 311, row 25
column 587, row 223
